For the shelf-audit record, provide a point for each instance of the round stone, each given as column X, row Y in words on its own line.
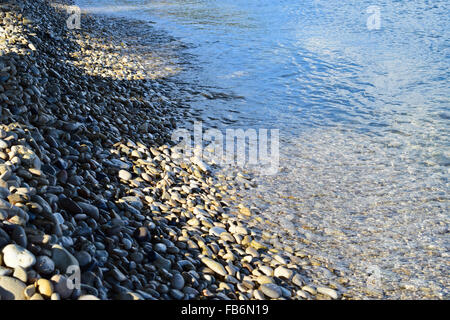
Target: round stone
column 160, row 247
column 15, row 256
column 44, row 265
column 83, row 258
column 125, row 175
column 178, row 281
column 45, row 287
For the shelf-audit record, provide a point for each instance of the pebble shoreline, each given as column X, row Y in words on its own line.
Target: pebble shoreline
column 88, row 179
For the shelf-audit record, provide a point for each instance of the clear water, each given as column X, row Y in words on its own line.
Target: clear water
column 363, row 118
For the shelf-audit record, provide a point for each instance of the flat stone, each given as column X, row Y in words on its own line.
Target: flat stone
column 264, row 279
column 214, row 266
column 271, row 290
column 11, row 289
column 46, row 209
column 268, row 271
column 280, row 259
column 118, row 275
column 297, row 280
column 15, row 256
column 283, row 272
column 89, row 209
column 328, row 292
column 161, row 262
column 133, row 201
column 88, row 297
column 241, row 230
column 309, row 289
column 70, row 206
column 176, row 294
column 216, row 231
column 125, row 175
column 118, row 164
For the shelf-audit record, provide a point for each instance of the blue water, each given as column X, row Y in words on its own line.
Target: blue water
column 313, row 63
column 363, row 116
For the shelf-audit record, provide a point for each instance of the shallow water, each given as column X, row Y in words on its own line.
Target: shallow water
column 363, row 118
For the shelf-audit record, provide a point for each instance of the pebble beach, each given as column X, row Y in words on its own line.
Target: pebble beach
column 90, row 181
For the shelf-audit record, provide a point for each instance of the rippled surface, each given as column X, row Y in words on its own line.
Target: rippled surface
column 363, row 117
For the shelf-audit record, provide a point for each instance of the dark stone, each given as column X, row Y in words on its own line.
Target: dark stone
column 61, row 164
column 62, row 176
column 142, row 234
column 89, row 209
column 70, row 206
column 151, row 256
column 19, row 236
